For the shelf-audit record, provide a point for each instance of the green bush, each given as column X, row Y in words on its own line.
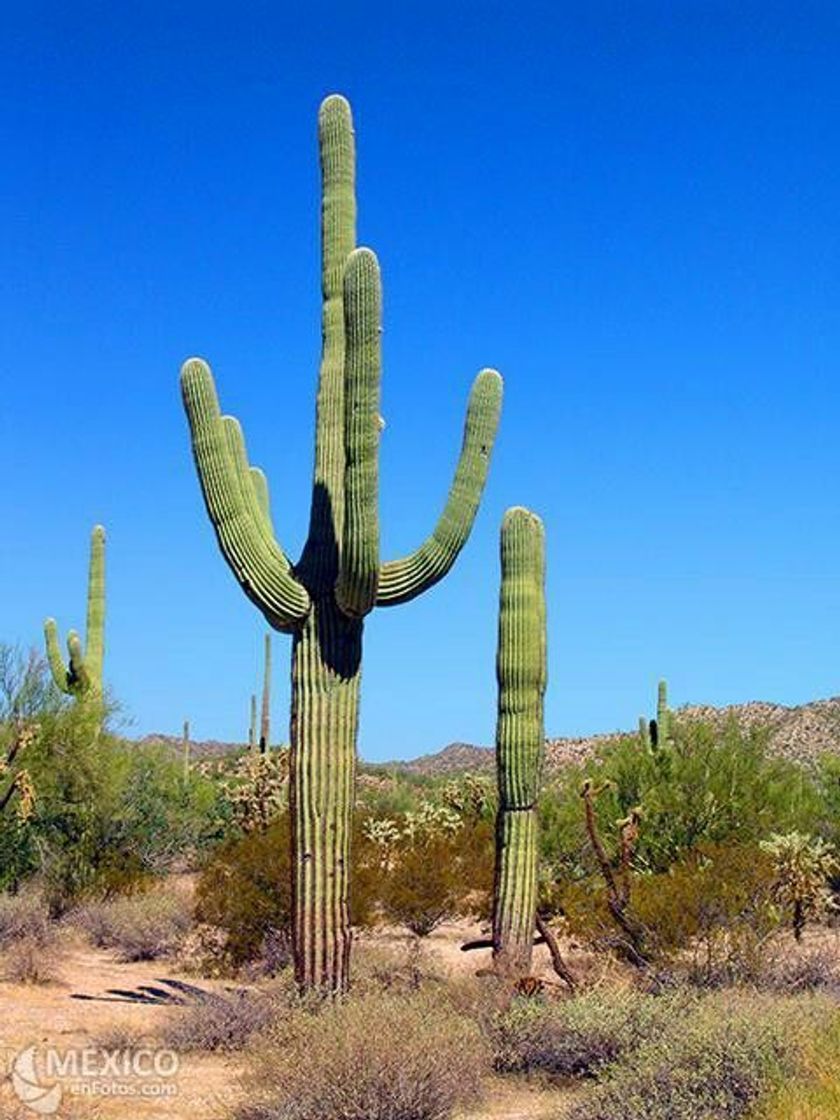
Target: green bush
column 713, row 1064
column 717, row 785
column 245, row 890
column 581, row 1036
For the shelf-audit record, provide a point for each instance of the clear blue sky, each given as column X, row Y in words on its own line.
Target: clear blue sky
column 630, row 209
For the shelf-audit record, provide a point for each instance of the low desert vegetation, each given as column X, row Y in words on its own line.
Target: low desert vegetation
column 724, row 856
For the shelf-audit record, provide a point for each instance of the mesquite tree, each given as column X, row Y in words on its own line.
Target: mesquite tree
column 324, row 598
column 520, row 737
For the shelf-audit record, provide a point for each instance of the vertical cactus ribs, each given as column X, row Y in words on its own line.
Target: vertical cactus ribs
column 520, row 737
column 323, row 600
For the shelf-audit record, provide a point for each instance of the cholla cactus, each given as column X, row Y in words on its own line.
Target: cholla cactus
column 469, row 795
column 17, row 780
column 324, row 599
column 802, row 866
column 257, row 789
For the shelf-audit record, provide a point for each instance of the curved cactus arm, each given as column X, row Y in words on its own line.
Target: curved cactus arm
column 358, row 572
column 95, row 629
column 79, row 676
column 256, row 559
column 402, row 580
column 260, row 484
column 59, row 671
column 251, row 493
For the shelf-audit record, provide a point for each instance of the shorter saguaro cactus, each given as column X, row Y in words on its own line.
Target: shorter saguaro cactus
column 658, row 732
column 252, row 726
column 185, row 748
column 265, row 714
column 82, row 676
column 520, row 737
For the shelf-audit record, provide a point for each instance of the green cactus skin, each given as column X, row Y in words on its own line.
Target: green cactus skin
column 82, row 676
column 520, row 737
column 185, row 748
column 265, row 714
column 323, row 600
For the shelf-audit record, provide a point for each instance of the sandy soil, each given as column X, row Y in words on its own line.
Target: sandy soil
column 206, row 1087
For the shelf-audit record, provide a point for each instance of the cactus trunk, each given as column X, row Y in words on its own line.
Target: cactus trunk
column 520, row 738
column 326, row 672
column 323, row 599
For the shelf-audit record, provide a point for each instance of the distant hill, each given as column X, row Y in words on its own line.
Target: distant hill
column 801, row 733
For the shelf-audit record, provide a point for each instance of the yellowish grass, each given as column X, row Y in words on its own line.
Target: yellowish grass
column 815, row 1095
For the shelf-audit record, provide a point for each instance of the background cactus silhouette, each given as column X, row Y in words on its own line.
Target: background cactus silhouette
column 323, row 599
column 520, row 737
column 82, row 675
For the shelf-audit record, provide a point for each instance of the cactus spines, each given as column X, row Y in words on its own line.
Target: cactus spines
column 644, row 732
column 265, row 714
column 82, row 675
column 520, row 737
column 323, row 599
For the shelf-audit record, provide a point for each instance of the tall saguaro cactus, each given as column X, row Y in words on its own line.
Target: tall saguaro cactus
column 520, row 737
column 324, row 598
column 82, row 675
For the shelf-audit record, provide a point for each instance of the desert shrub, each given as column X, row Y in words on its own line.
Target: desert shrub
column 581, row 1036
column 220, row 1022
column 429, row 865
column 803, row 968
column 31, row 961
column 141, row 927
column 29, row 940
column 371, row 1058
column 713, row 1064
column 244, row 890
column 24, row 915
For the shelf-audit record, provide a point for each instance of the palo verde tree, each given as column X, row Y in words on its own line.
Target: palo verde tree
column 81, row 677
column 324, row 598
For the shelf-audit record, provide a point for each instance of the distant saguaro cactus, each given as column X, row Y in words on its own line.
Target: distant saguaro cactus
column 520, row 737
column 658, row 732
column 82, row 676
column 265, row 714
column 323, row 599
column 185, row 748
column 252, row 726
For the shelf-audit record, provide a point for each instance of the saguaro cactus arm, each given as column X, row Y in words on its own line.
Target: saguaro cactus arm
column 405, row 579
column 83, row 671
column 254, row 557
column 60, row 672
column 358, row 572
